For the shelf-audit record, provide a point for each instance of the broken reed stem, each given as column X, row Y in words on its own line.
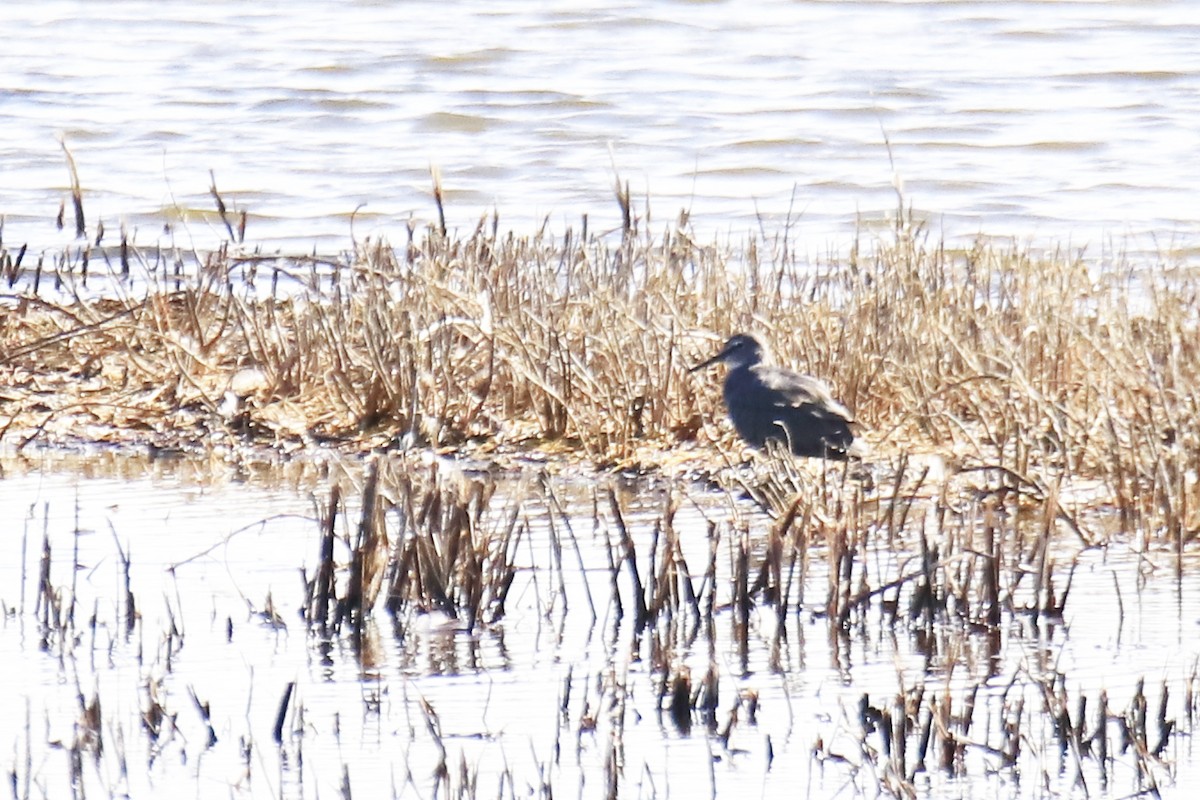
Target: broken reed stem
column 212, row 189
column 992, row 560
column 76, row 192
column 47, row 603
column 281, row 714
column 557, row 512
column 435, row 175
column 741, row 599
column 126, row 562
column 322, row 595
column 369, row 557
column 629, row 556
column 205, row 712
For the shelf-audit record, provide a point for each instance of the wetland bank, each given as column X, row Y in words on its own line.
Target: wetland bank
column 447, row 516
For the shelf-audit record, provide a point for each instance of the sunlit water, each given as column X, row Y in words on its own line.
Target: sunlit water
column 1058, row 122
column 526, row 702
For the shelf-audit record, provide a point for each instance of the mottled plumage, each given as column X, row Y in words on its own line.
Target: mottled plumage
column 766, row 402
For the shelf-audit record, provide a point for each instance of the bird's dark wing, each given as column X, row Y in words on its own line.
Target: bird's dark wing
column 786, row 388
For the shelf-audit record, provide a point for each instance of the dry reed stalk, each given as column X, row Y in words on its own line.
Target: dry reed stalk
column 221, row 211
column 558, row 512
column 281, row 712
column 741, row 599
column 76, row 193
column 628, row 557
column 369, row 557
column 681, row 701
column 322, row 592
column 205, row 712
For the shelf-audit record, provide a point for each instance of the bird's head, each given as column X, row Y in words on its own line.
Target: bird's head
column 742, row 350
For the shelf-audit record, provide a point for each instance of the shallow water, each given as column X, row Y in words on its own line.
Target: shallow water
column 543, row 697
column 1063, row 122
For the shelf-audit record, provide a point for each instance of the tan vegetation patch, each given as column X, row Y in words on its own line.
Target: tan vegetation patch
column 1042, row 365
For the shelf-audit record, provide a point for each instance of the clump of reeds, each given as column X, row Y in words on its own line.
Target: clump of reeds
column 1033, row 722
column 427, row 540
column 1044, row 367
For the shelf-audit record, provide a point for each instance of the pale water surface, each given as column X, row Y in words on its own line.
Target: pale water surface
column 1058, row 122
column 531, row 705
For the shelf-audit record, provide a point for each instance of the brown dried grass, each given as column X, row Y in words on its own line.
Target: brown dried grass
column 1042, row 366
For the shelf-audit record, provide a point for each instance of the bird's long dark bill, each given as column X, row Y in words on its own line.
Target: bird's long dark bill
column 706, row 363
column 711, row 361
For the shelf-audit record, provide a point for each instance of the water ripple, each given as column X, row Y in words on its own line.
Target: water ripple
column 991, row 111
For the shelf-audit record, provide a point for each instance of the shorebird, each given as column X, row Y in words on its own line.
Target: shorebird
column 770, row 403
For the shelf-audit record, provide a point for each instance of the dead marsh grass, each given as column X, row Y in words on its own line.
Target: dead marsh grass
column 1037, row 369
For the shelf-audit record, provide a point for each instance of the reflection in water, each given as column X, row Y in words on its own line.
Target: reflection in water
column 218, row 676
column 447, row 648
